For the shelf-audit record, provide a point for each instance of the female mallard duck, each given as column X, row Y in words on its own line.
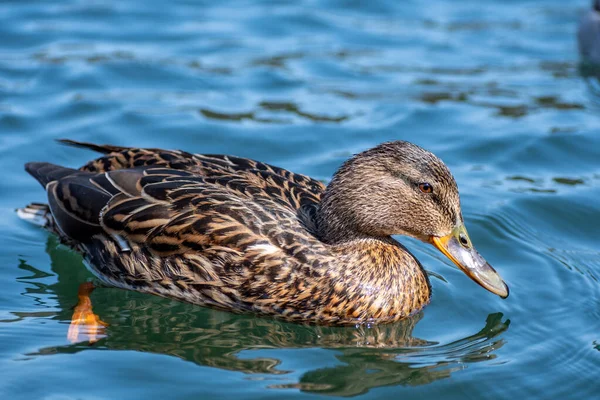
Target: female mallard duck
column 240, row 235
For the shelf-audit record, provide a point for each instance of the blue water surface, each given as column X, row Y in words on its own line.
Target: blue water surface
column 493, row 87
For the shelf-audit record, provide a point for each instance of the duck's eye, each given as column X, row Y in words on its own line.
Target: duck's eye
column 426, row 187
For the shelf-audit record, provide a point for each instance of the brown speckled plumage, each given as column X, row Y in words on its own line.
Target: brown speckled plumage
column 240, row 235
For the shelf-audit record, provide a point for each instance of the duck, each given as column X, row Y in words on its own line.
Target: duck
column 588, row 34
column 243, row 236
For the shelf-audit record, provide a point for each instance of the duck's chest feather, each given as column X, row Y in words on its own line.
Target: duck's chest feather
column 379, row 281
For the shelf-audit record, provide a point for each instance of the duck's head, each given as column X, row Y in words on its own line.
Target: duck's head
column 398, row 188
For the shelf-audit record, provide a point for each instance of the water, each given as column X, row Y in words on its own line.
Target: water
column 491, row 87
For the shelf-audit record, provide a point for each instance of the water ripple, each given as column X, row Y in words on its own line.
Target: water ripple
column 494, row 88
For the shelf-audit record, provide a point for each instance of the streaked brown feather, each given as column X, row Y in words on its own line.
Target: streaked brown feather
column 229, row 233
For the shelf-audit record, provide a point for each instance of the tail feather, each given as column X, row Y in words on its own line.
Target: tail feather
column 45, row 173
column 100, row 148
column 37, row 214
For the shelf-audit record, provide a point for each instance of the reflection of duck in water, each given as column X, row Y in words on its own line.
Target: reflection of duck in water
column 237, row 234
column 588, row 34
column 382, row 355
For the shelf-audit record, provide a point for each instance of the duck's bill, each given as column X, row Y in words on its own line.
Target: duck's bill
column 458, row 248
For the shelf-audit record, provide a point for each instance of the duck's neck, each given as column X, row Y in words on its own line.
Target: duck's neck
column 385, row 280
column 334, row 227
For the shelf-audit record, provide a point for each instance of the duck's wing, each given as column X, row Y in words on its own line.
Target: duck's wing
column 172, row 211
column 296, row 190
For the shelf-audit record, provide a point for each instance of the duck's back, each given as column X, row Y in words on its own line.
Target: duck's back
column 214, row 230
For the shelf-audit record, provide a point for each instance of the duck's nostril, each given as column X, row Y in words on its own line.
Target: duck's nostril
column 463, row 240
